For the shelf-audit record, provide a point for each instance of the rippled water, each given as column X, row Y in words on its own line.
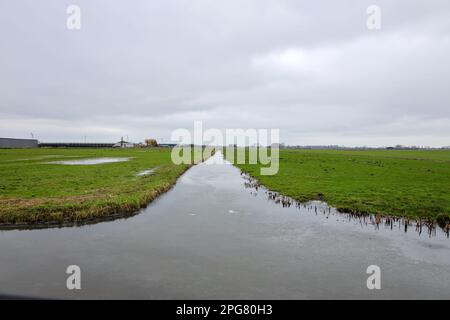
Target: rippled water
column 210, row 237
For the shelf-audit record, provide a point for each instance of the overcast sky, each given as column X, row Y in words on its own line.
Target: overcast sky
column 143, row 68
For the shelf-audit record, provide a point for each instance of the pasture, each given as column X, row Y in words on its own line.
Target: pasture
column 35, row 187
column 405, row 183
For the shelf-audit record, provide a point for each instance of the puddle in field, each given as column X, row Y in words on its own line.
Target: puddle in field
column 88, row 162
column 210, row 237
column 42, row 157
column 146, row 172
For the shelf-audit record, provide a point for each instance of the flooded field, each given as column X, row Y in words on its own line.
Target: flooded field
column 214, row 236
column 146, row 172
column 89, row 162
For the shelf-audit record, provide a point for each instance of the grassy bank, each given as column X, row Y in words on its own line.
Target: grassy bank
column 412, row 184
column 34, row 191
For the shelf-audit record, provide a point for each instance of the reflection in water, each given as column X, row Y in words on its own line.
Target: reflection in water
column 146, row 172
column 364, row 218
column 210, row 238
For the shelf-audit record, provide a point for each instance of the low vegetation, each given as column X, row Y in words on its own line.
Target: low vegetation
column 408, row 183
column 35, row 191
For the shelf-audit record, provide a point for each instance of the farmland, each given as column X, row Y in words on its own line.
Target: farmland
column 35, row 188
column 405, row 183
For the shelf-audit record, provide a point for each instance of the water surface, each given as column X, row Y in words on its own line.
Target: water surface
column 212, row 238
column 146, row 172
column 92, row 161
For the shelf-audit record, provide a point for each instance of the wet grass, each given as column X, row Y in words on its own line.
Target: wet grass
column 414, row 184
column 33, row 191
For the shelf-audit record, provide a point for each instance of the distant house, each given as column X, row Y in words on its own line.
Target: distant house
column 10, row 143
column 124, row 144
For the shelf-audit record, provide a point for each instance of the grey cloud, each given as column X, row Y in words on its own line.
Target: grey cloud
column 145, row 68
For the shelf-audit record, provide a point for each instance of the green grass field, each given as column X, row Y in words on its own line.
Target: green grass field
column 402, row 183
column 407, row 183
column 33, row 191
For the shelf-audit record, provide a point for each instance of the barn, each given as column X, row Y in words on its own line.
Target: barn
column 11, row 143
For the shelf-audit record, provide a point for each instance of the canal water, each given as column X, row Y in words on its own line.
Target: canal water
column 210, row 237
